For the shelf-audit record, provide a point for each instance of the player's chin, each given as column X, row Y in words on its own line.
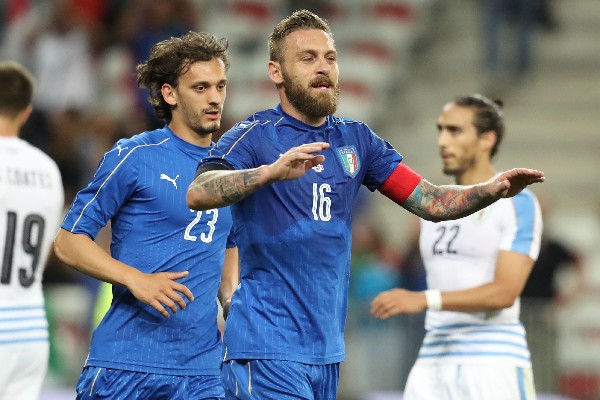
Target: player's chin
column 449, row 170
column 210, row 127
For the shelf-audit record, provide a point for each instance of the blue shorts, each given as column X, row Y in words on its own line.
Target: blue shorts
column 107, row 383
column 281, row 380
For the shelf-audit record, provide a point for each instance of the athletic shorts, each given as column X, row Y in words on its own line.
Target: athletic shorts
column 469, row 382
column 23, row 368
column 281, row 380
column 117, row 384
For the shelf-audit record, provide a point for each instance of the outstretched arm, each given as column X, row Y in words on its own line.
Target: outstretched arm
column 512, row 271
column 157, row 290
column 440, row 203
column 214, row 189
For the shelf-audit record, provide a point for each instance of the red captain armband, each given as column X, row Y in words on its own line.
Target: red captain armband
column 400, row 184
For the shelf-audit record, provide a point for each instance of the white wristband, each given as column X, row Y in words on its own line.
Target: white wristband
column 434, row 299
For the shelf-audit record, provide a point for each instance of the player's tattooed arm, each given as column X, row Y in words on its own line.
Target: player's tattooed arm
column 213, row 189
column 216, row 186
column 440, row 203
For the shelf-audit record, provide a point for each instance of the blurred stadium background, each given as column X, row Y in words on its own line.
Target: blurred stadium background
column 400, row 61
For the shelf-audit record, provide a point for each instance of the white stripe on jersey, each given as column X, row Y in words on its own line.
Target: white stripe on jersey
column 240, row 138
column 110, row 175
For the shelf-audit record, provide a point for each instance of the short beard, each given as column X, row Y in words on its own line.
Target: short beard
column 201, row 129
column 458, row 170
column 449, row 171
column 206, row 130
column 312, row 106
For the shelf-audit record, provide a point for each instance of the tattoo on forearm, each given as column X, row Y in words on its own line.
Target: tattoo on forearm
column 446, row 202
column 234, row 187
column 228, row 188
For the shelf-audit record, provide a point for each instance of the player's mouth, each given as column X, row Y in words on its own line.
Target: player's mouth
column 322, row 84
column 446, row 156
column 213, row 114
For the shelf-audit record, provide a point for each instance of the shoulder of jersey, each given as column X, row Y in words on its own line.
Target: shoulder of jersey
column 346, row 121
column 142, row 140
column 260, row 118
column 272, row 117
column 526, row 193
column 38, row 154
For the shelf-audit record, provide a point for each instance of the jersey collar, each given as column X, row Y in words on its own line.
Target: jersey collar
column 185, row 146
column 296, row 123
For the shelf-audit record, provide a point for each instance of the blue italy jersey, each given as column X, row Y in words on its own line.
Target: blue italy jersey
column 140, row 186
column 295, row 236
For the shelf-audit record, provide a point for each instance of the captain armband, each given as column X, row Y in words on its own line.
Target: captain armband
column 400, row 184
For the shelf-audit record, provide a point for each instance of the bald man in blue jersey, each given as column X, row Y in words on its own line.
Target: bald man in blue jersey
column 291, row 174
column 159, row 338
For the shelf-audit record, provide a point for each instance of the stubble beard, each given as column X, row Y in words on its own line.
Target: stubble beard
column 449, row 171
column 321, row 105
column 202, row 129
column 459, row 168
column 208, row 129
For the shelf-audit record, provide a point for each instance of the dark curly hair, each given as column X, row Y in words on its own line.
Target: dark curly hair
column 488, row 116
column 299, row 20
column 171, row 58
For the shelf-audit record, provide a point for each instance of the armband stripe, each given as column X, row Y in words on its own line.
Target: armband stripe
column 400, row 184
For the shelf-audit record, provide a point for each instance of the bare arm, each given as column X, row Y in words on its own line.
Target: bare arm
column 157, row 290
column 440, row 203
column 214, row 189
column 230, row 278
column 512, row 271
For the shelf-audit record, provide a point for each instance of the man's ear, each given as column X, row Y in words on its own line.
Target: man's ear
column 168, row 94
column 25, row 115
column 487, row 140
column 275, row 72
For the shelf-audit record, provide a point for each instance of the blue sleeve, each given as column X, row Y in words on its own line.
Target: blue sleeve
column 527, row 239
column 235, row 149
column 113, row 183
column 382, row 161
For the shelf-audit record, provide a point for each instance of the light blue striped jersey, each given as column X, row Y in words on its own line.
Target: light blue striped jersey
column 295, row 236
column 31, row 208
column 140, row 186
column 462, row 254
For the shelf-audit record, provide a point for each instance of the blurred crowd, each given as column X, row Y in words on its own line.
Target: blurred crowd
column 83, row 54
